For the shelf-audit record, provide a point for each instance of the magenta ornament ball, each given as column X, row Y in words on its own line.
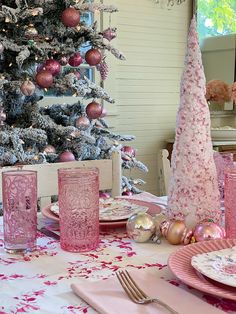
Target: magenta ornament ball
column 127, row 193
column 75, row 60
column 66, row 156
column 93, row 57
column 44, row 79
column 104, row 195
column 53, row 66
column 94, row 110
column 70, row 17
column 208, row 230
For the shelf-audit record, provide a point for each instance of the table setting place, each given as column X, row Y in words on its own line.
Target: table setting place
column 90, row 253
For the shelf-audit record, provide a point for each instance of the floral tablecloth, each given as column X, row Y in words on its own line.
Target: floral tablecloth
column 39, row 282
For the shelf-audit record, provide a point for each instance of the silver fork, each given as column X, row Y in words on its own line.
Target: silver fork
column 136, row 294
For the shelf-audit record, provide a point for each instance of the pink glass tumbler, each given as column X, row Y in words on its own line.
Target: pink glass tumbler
column 78, row 193
column 230, row 202
column 222, row 161
column 19, row 196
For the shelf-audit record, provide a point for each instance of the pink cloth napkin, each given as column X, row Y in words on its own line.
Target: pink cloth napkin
column 147, row 197
column 108, row 297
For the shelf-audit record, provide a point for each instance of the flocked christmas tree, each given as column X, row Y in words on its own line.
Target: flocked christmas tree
column 37, row 39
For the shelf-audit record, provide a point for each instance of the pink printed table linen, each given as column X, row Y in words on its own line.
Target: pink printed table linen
column 40, row 282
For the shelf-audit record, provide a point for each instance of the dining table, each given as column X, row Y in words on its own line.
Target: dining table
column 40, row 281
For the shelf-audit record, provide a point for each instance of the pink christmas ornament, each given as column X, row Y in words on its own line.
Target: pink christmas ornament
column 27, row 88
column 53, row 66
column 66, row 156
column 75, row 60
column 109, row 33
column 193, row 191
column 127, row 193
column 208, row 230
column 104, row 195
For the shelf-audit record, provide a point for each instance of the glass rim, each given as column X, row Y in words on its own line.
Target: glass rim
column 78, row 169
column 19, row 172
column 230, row 170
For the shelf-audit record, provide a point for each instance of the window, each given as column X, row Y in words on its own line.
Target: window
column 215, row 17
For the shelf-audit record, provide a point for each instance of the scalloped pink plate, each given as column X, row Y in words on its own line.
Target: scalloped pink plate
column 180, row 264
column 153, row 209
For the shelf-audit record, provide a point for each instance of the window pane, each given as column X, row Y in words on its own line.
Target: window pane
column 216, row 17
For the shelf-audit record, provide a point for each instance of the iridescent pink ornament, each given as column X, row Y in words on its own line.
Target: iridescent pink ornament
column 208, row 230
column 27, row 88
column 53, row 66
column 109, row 33
column 129, row 152
column 49, row 149
column 82, row 122
column 66, row 156
column 75, row 60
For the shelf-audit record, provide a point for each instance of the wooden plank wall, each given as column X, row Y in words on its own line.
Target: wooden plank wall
column 146, row 85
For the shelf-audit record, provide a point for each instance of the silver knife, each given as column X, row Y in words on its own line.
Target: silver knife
column 49, row 233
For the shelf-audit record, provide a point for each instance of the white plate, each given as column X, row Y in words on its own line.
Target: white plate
column 112, row 209
column 217, row 265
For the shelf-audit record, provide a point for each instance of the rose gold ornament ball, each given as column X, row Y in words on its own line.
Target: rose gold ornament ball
column 44, row 79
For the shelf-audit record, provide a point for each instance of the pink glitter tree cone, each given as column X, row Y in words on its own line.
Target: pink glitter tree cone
column 193, row 193
column 230, row 203
column 79, row 209
column 19, row 194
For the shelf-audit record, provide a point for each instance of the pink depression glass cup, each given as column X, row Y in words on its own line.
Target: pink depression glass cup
column 230, row 202
column 222, row 161
column 19, row 197
column 78, row 194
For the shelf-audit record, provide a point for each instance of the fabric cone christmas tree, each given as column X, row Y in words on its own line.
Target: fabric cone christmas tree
column 193, row 191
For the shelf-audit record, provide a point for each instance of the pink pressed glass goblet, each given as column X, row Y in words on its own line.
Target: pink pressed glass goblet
column 19, row 195
column 79, row 209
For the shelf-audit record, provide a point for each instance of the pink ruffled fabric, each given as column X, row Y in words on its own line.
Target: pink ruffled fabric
column 193, row 188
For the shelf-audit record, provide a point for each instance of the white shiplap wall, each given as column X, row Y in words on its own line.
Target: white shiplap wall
column 146, row 85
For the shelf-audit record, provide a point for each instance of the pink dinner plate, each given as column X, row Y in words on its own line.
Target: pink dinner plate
column 152, row 210
column 180, row 264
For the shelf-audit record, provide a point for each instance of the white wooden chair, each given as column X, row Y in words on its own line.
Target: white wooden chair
column 165, row 170
column 109, row 176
